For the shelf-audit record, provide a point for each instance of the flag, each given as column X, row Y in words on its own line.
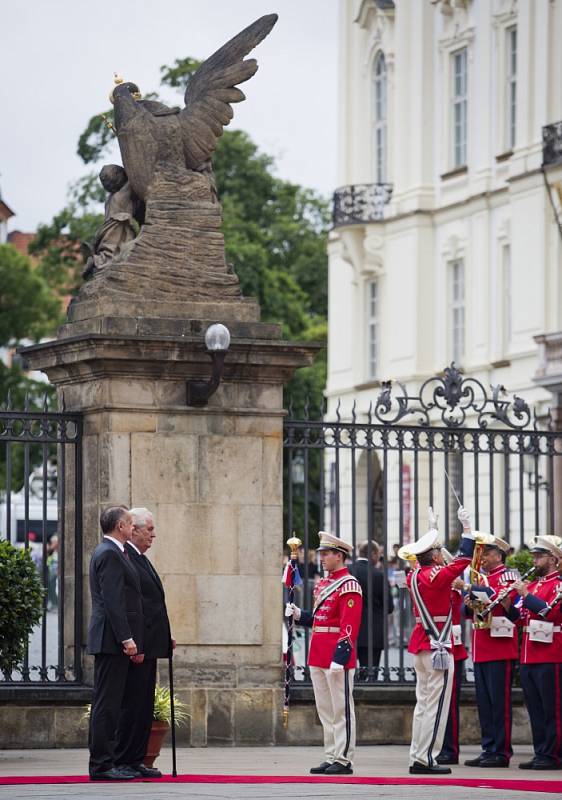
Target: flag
column 287, row 574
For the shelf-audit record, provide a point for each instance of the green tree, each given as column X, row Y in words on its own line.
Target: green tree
column 21, row 601
column 28, row 310
column 59, row 244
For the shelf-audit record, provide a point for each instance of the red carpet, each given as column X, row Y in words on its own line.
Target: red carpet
column 554, row 787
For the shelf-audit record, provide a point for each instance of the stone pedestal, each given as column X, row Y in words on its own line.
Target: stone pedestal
column 212, row 476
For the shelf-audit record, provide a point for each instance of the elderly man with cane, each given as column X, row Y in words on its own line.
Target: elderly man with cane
column 135, row 720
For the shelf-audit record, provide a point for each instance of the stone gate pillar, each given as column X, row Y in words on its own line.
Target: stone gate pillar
column 212, row 476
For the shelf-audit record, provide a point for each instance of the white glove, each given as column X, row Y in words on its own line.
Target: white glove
column 335, row 667
column 291, row 610
column 464, row 519
column 432, row 519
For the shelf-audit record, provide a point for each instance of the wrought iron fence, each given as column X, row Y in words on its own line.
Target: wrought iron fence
column 371, row 474
column 41, row 511
column 552, row 144
column 360, row 203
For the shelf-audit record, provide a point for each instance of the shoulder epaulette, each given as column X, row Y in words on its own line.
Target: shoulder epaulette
column 351, row 586
column 435, row 571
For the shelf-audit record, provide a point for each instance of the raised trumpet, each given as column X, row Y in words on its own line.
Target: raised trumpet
column 477, row 577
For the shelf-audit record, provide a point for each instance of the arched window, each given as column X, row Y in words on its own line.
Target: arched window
column 379, row 119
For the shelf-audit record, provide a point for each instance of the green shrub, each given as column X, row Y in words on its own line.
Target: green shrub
column 522, row 560
column 21, row 603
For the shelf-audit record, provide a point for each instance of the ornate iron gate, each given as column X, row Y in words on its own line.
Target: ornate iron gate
column 41, row 510
column 371, row 476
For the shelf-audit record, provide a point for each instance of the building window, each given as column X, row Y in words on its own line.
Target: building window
column 459, row 110
column 511, row 88
column 507, row 319
column 379, row 118
column 457, row 310
column 372, row 329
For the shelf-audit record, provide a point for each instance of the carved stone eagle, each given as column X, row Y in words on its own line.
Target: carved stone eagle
column 153, row 136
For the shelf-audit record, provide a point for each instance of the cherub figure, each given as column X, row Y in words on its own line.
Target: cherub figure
column 121, row 208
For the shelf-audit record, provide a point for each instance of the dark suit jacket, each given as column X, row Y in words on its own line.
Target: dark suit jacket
column 156, row 634
column 117, row 612
column 360, row 570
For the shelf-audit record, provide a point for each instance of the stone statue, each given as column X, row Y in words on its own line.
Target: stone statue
column 166, row 154
column 121, row 208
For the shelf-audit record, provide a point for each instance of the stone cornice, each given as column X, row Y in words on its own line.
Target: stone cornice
column 90, row 356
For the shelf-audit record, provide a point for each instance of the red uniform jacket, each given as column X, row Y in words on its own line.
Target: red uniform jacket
column 459, row 650
column 434, row 583
column 541, row 592
column 484, row 647
column 338, row 610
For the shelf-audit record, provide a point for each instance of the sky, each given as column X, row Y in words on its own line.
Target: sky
column 57, row 59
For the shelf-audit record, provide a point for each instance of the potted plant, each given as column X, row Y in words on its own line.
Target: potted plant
column 21, row 603
column 162, row 719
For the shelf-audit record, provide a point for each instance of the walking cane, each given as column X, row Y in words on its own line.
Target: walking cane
column 294, row 544
column 172, row 714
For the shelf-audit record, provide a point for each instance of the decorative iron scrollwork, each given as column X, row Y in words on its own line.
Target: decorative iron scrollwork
column 552, row 144
column 360, row 203
column 452, row 396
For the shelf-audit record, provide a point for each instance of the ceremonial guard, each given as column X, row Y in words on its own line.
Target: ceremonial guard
column 494, row 649
column 431, row 642
column 450, row 749
column 541, row 654
column 335, row 621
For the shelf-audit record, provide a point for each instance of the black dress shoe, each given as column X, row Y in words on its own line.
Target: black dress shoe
column 544, row 763
column 527, row 764
column 494, row 762
column 447, row 759
column 140, row 771
column 113, row 774
column 422, row 769
column 339, row 769
column 475, row 762
column 321, row 769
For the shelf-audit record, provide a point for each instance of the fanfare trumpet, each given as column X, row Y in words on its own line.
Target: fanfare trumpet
column 477, row 577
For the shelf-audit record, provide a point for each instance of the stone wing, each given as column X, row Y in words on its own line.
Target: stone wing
column 212, row 89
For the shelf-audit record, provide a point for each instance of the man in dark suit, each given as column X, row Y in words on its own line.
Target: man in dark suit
column 135, row 720
column 375, row 598
column 114, row 637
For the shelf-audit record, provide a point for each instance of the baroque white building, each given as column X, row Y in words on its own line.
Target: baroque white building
column 447, row 240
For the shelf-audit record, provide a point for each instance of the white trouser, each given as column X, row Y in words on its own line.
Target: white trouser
column 433, row 697
column 333, row 693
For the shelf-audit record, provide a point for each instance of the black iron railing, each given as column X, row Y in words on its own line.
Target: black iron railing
column 552, row 144
column 360, row 203
column 41, row 511
column 371, row 474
